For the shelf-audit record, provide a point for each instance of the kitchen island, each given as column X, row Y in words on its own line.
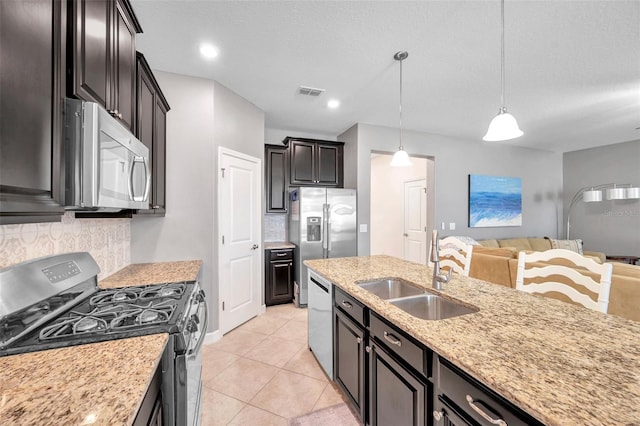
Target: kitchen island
column 560, row 363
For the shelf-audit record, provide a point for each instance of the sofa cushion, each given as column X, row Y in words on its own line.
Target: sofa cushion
column 573, row 245
column 489, row 243
column 519, row 243
column 626, row 270
column 509, row 252
column 540, row 244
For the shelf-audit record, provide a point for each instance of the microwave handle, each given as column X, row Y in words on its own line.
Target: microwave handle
column 147, row 185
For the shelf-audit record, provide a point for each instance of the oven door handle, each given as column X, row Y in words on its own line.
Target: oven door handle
column 204, row 330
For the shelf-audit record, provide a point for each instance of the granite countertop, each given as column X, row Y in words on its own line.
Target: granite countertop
column 99, row 384
column 274, row 245
column 561, row 363
column 153, row 273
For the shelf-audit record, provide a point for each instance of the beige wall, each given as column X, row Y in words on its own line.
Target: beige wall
column 107, row 240
column 387, row 201
column 204, row 115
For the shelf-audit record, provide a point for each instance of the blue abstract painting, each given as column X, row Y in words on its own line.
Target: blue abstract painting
column 494, row 201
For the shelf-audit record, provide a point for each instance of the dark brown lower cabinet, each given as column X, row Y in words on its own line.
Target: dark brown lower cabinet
column 396, row 396
column 278, row 276
column 349, row 367
column 150, row 412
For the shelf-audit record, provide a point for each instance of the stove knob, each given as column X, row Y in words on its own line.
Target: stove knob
column 195, row 319
column 200, row 296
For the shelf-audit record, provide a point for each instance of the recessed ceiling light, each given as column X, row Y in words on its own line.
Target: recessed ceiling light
column 208, row 51
column 333, row 103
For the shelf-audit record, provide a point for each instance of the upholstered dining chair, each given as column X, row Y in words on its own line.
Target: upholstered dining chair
column 455, row 254
column 566, row 272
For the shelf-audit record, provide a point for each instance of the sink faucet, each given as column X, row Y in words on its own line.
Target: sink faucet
column 438, row 277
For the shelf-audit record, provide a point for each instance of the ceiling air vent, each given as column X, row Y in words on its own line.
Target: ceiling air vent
column 309, row 91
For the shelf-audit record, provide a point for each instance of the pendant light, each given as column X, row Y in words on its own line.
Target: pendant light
column 504, row 125
column 400, row 158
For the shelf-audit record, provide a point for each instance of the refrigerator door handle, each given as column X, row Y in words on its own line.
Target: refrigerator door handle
column 324, row 231
column 328, row 216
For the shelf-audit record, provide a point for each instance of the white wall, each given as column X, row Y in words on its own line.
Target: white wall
column 203, row 116
column 387, row 202
column 541, row 173
column 610, row 226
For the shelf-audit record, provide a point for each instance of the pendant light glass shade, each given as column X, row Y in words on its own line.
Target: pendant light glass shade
column 400, row 159
column 592, row 196
column 503, row 127
column 633, row 193
column 616, row 193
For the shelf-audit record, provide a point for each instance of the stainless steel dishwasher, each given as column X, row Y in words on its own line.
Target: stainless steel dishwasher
column 320, row 305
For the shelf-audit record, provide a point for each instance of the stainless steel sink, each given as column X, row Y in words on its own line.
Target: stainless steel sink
column 391, row 288
column 432, row 307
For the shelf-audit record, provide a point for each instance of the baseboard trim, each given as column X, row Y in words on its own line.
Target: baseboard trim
column 262, row 310
column 212, row 337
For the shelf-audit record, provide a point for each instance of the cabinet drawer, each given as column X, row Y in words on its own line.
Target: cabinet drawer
column 398, row 342
column 474, row 399
column 350, row 305
column 281, row 254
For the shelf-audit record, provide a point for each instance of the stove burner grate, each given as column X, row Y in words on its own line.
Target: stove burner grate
column 72, row 325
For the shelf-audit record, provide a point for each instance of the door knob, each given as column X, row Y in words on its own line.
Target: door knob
column 253, row 247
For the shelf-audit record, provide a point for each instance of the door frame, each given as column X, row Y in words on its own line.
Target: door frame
column 222, row 151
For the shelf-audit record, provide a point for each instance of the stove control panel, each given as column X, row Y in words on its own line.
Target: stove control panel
column 61, row 271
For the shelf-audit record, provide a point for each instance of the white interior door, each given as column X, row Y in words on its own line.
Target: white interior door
column 415, row 221
column 240, row 257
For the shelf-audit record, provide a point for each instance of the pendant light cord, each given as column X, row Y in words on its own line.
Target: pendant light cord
column 502, row 62
column 401, row 147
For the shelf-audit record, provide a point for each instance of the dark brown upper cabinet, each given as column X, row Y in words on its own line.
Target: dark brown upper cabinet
column 102, row 59
column 32, row 88
column 151, row 129
column 314, row 162
column 276, row 178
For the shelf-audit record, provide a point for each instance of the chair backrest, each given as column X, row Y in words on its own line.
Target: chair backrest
column 557, row 264
column 455, row 254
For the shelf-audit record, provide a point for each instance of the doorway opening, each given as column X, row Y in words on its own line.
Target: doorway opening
column 402, row 207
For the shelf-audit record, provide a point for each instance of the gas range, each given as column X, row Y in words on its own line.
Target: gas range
column 105, row 314
column 55, row 302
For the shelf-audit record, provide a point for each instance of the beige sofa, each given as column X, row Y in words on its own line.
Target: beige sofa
column 500, row 265
column 533, row 244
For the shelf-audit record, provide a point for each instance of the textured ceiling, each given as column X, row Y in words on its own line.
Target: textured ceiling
column 572, row 67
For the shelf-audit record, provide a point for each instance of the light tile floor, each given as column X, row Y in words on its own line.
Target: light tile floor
column 262, row 373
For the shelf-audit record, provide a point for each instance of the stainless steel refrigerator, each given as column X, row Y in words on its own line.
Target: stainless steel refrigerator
column 322, row 224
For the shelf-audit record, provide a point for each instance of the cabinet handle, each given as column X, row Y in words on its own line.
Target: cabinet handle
column 155, row 207
column 347, row 304
column 253, row 247
column 281, row 254
column 437, row 415
column 392, row 339
column 359, row 340
column 484, row 415
column 367, row 348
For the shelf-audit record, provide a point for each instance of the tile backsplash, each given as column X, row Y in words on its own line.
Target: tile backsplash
column 275, row 227
column 107, row 240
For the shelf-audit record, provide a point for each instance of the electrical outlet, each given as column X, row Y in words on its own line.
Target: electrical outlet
column 452, row 226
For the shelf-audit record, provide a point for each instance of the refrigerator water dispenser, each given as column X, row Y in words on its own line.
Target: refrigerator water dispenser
column 313, row 228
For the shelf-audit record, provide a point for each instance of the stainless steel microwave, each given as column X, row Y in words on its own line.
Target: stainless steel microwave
column 106, row 167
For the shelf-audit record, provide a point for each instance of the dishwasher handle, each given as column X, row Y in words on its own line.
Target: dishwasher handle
column 325, row 289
